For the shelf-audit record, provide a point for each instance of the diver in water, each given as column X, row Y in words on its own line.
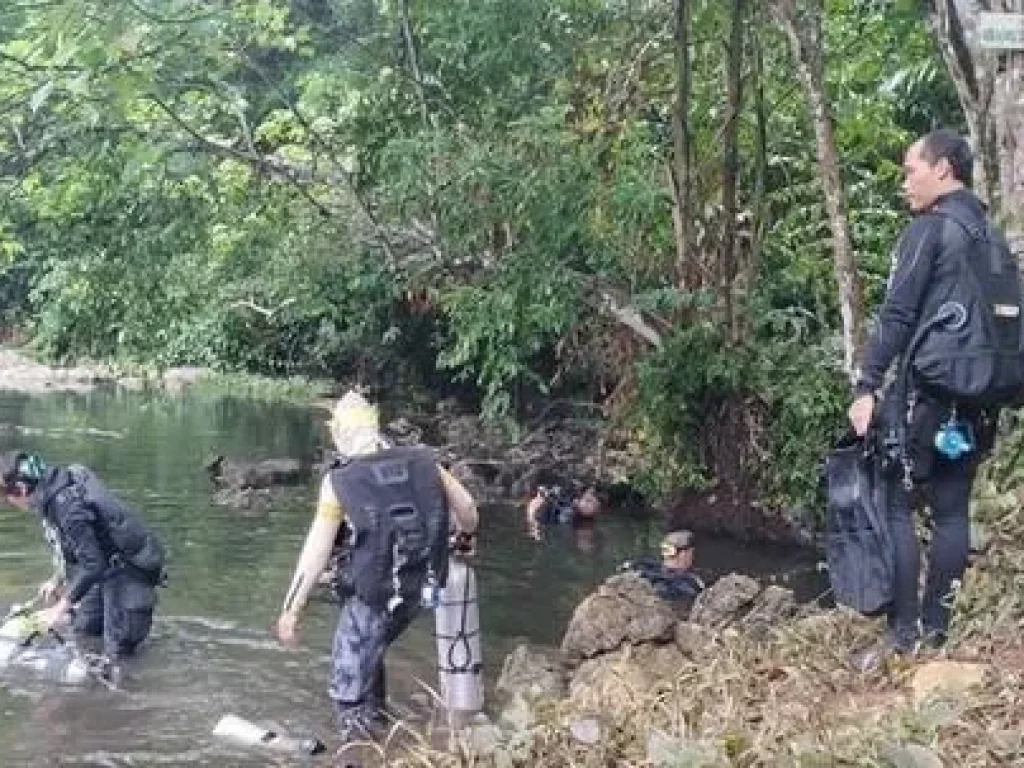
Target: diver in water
column 394, row 507
column 555, row 505
column 672, row 576
column 108, row 562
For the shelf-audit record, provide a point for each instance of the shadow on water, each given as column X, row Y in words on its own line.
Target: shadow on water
column 211, row 652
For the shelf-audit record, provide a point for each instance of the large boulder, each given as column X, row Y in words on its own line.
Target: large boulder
column 624, row 610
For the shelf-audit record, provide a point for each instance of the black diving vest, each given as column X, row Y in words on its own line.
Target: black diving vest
column 396, row 516
column 119, row 530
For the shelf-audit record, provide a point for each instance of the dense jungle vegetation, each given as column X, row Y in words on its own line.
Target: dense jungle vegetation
column 628, row 202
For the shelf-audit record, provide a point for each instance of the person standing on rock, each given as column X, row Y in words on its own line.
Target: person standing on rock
column 942, row 297
column 395, row 508
column 108, row 561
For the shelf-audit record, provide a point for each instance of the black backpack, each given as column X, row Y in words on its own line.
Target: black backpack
column 858, row 543
column 971, row 348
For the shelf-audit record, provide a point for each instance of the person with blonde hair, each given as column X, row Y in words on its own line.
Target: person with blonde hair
column 392, row 509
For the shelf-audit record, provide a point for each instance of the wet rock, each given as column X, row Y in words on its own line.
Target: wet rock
column 267, row 473
column 725, row 601
column 946, row 678
column 625, row 609
column 532, row 674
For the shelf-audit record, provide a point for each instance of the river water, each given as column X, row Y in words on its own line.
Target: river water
column 211, row 651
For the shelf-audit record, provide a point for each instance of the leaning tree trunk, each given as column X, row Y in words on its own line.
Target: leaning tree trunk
column 803, row 30
column 990, row 85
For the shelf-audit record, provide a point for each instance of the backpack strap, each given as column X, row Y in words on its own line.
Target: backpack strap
column 957, row 215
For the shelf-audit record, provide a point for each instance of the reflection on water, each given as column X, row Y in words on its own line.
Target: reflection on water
column 211, row 651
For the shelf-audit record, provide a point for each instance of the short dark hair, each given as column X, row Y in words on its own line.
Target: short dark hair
column 9, row 468
column 947, row 143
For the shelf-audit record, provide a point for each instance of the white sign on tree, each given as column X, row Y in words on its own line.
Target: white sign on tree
column 1003, row 31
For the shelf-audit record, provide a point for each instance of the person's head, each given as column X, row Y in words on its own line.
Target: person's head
column 677, row 551
column 20, row 473
column 936, row 164
column 355, row 426
column 587, row 504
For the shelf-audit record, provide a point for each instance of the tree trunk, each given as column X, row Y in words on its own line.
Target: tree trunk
column 729, row 263
column 804, row 33
column 990, row 84
column 682, row 151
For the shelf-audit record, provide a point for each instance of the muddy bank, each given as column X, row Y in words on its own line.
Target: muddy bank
column 726, row 514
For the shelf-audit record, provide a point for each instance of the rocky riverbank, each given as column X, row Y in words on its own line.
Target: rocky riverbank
column 749, row 678
column 21, row 373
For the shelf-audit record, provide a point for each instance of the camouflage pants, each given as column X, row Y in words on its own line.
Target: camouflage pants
column 120, row 610
column 357, row 663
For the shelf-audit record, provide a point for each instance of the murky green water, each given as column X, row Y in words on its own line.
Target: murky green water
column 211, row 651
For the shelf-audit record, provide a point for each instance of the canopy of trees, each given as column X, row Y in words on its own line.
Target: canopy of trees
column 678, row 209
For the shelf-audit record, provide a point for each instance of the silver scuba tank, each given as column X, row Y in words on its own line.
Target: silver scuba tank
column 457, row 631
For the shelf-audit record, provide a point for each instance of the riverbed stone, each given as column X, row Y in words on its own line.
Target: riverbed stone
column 265, row 473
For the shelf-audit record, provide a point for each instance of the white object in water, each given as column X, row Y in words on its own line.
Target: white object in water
column 55, row 664
column 457, row 630
column 249, row 734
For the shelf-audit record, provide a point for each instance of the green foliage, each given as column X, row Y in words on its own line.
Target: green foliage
column 784, row 386
column 260, row 185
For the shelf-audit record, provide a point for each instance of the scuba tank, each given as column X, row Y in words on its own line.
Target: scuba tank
column 249, row 734
column 457, row 630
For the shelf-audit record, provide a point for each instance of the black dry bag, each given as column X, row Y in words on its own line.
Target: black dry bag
column 858, row 546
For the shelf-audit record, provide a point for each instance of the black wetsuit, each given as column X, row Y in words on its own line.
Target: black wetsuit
column 920, row 263
column 113, row 599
